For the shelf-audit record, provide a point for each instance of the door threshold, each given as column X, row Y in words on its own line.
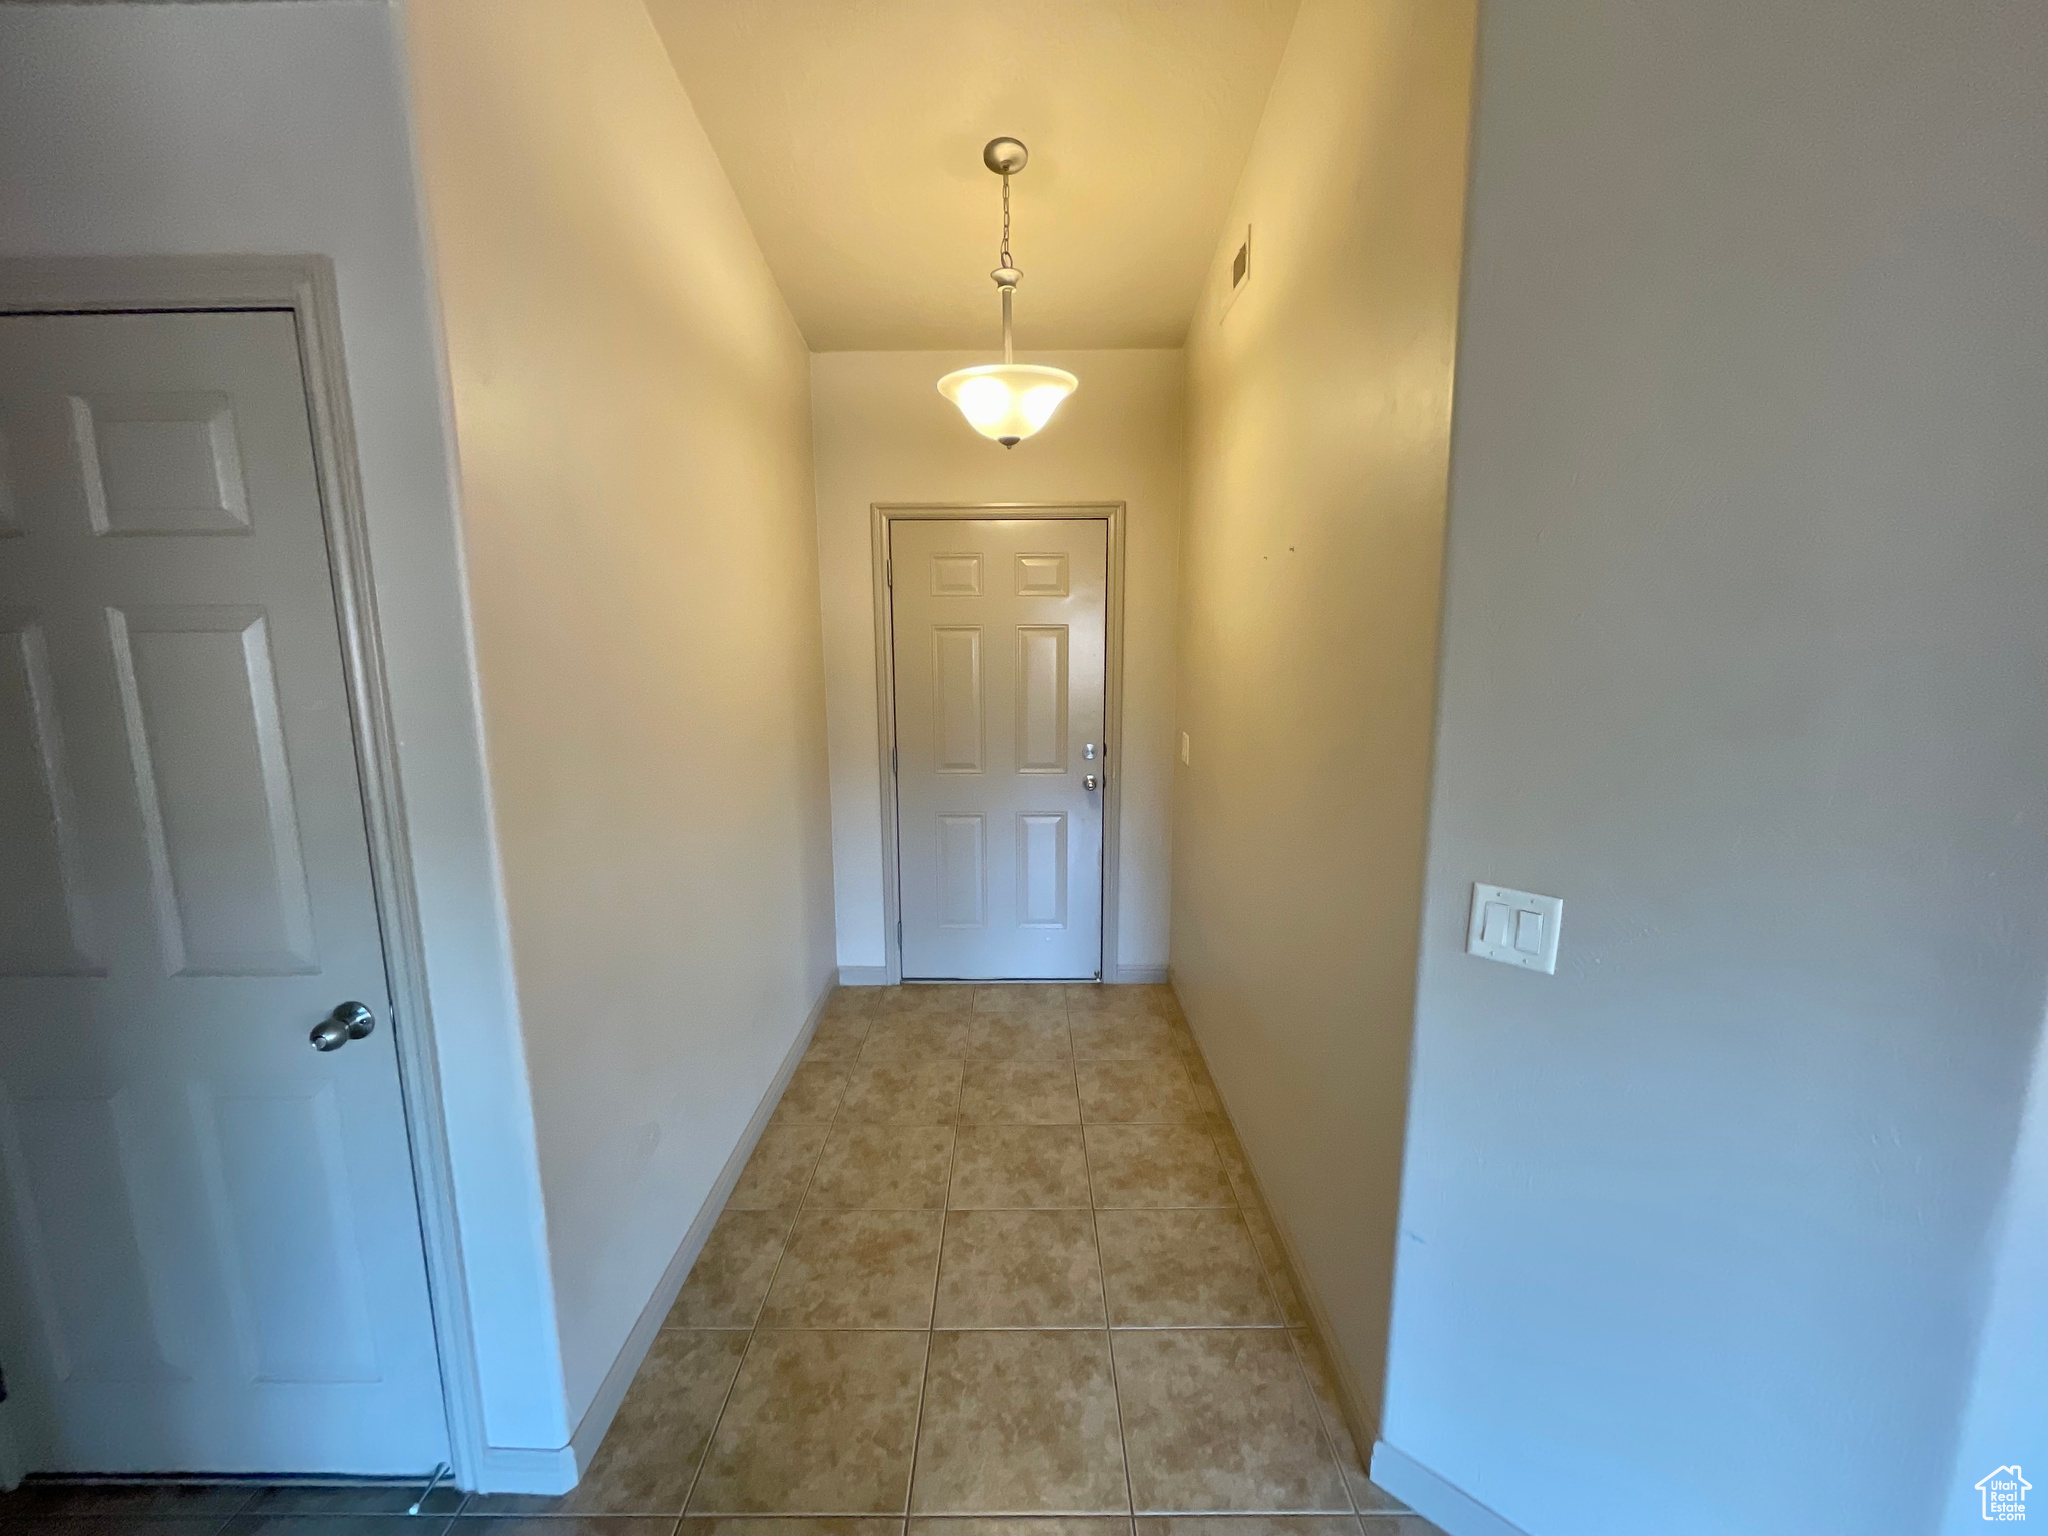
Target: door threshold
column 1002, row 981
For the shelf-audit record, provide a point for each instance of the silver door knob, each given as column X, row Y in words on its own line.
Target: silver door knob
column 1088, row 781
column 349, row 1021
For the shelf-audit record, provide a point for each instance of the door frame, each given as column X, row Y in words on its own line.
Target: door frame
column 305, row 287
column 882, row 516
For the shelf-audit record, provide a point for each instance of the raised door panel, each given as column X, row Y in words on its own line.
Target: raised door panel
column 206, row 742
column 71, row 1172
column 45, row 910
column 277, row 1185
column 957, row 575
column 1041, row 689
column 160, row 463
column 1042, row 870
column 963, row 872
column 959, row 726
column 1042, row 575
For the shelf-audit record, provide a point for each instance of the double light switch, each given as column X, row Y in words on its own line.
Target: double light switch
column 1515, row 928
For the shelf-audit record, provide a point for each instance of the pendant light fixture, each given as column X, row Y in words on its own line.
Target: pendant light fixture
column 1007, row 401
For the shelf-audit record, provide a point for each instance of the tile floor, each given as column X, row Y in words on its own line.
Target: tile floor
column 998, row 1254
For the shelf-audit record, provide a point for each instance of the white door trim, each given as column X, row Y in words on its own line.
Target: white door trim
column 305, row 286
column 881, row 515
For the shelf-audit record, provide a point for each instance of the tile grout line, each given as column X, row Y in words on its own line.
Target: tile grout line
column 230, row 1516
column 1116, row 1395
column 1322, row 1422
column 931, row 1325
column 924, row 1379
column 924, row 1375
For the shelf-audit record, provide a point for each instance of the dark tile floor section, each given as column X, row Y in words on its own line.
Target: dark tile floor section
column 998, row 1268
column 242, row 1508
column 251, row 1509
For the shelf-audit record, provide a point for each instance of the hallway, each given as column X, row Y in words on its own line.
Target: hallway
column 997, row 1253
column 903, row 1305
column 552, row 551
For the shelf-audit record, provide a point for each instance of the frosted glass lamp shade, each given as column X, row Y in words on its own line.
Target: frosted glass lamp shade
column 1008, row 401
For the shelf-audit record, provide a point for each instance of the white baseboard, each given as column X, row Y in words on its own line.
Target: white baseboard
column 1134, row 975
column 1429, row 1495
column 1121, row 975
column 520, row 1469
column 582, row 1446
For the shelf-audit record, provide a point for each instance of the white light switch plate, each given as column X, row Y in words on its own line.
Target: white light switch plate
column 1515, row 928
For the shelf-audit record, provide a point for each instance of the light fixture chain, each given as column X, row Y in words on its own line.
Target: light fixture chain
column 1005, row 262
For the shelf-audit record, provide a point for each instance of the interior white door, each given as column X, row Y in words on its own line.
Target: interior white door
column 1000, row 646
column 211, row 1237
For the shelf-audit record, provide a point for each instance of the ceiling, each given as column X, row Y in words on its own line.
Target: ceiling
column 852, row 132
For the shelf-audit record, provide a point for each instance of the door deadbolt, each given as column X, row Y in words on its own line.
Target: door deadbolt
column 349, row 1021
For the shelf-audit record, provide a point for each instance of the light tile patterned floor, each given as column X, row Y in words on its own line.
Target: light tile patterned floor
column 998, row 1254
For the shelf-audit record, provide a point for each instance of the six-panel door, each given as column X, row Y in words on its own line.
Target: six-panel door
column 210, row 1235
column 999, row 637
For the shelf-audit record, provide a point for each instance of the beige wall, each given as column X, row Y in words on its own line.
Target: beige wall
column 1318, row 426
column 631, row 403
column 884, row 433
column 161, row 130
column 1744, row 653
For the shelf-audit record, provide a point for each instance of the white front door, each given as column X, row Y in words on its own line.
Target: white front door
column 211, row 1244
column 1000, row 631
